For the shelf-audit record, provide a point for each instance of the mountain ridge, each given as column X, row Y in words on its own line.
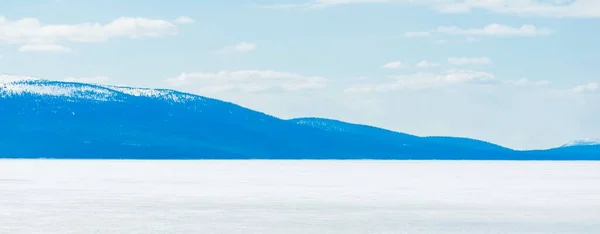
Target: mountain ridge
column 70, row 119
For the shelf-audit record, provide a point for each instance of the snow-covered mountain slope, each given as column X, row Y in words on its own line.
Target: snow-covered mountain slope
column 324, row 124
column 450, row 143
column 333, row 125
column 17, row 86
column 54, row 119
column 583, row 142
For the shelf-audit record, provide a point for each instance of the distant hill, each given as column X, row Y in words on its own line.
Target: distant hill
column 583, row 142
column 52, row 119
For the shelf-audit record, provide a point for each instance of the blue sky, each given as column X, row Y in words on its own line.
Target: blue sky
column 521, row 73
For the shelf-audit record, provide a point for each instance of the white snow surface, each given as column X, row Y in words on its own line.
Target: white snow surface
column 299, row 197
column 154, row 93
column 43, row 88
column 583, row 142
column 19, row 85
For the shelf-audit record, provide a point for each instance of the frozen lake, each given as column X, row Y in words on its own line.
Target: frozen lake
column 298, row 197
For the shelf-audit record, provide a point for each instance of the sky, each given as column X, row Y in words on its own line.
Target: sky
column 520, row 73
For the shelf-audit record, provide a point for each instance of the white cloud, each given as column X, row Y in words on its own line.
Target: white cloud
column 285, row 6
column 44, row 48
column 527, row 82
column 490, row 30
column 43, row 37
column 242, row 47
column 453, row 77
column 247, row 81
column 427, row 80
column 90, row 80
column 426, row 64
column 184, row 20
column 587, row 88
column 417, row 34
column 460, row 77
column 543, row 8
column 469, row 60
column 526, row 30
column 341, row 2
column 394, row 65
column 325, row 3
column 548, row 8
column 368, row 88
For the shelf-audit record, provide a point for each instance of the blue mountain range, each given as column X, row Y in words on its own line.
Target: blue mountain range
column 69, row 120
